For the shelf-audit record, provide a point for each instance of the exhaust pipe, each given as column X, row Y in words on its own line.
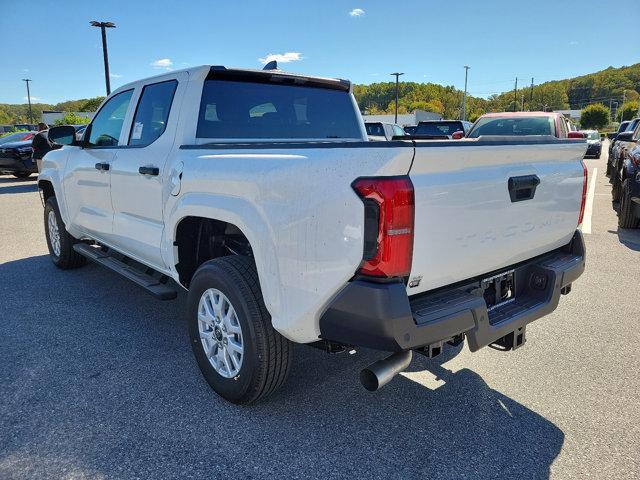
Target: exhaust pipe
column 378, row 374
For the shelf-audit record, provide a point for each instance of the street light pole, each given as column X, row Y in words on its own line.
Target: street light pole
column 397, row 75
column 464, row 97
column 103, row 26
column 27, row 80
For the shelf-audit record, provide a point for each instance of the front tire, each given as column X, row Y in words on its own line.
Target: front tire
column 240, row 354
column 626, row 217
column 59, row 241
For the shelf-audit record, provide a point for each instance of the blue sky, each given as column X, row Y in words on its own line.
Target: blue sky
column 51, row 42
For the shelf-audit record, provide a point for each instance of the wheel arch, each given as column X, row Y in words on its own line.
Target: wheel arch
column 226, row 215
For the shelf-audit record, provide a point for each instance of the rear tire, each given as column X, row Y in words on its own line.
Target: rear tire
column 616, row 188
column 22, row 175
column 219, row 287
column 626, row 217
column 59, row 241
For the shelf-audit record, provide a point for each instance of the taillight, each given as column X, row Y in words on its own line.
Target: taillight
column 388, row 229
column 584, row 193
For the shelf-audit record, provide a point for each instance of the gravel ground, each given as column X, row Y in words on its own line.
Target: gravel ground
column 97, row 380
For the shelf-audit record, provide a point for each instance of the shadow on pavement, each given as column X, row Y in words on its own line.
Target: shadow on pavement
column 97, row 378
column 628, row 237
column 15, row 185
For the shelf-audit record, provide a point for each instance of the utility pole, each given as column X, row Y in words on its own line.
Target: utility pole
column 27, row 80
column 464, row 97
column 397, row 75
column 103, row 26
column 624, row 98
column 531, row 95
column 515, row 96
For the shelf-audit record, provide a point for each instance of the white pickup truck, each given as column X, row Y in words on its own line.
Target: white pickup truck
column 258, row 192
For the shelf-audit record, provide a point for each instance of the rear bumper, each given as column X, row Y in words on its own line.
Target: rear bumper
column 383, row 317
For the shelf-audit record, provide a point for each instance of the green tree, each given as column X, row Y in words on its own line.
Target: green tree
column 72, row 119
column 629, row 110
column 595, row 116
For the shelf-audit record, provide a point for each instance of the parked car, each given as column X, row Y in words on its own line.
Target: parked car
column 616, row 152
column 16, row 137
column 383, row 131
column 15, row 158
column 523, row 124
column 440, row 129
column 259, row 193
column 624, row 184
column 594, row 144
column 410, row 129
column 626, row 179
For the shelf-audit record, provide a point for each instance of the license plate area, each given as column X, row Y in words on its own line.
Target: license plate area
column 499, row 290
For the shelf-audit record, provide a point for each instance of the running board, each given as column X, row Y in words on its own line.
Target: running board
column 155, row 286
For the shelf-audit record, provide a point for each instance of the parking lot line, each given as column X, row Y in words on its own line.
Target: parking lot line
column 588, row 210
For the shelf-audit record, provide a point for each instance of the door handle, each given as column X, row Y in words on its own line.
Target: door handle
column 523, row 187
column 149, row 171
column 102, row 166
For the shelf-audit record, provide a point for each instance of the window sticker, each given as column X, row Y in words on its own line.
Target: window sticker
column 137, row 131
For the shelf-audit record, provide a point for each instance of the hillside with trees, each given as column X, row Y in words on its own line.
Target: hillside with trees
column 11, row 114
column 606, row 86
column 611, row 84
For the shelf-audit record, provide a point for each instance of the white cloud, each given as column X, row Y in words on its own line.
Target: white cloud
column 573, row 42
column 33, row 99
column 281, row 57
column 356, row 12
column 162, row 63
column 115, row 75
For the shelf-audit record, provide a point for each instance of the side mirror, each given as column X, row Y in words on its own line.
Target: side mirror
column 624, row 137
column 63, row 135
column 457, row 135
column 576, row 135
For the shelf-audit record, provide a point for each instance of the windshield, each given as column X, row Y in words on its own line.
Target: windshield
column 438, row 128
column 593, row 136
column 236, row 109
column 632, row 125
column 16, row 137
column 374, row 129
column 513, row 126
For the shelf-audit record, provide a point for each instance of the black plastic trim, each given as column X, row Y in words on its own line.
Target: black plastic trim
column 481, row 142
column 381, row 315
column 276, row 77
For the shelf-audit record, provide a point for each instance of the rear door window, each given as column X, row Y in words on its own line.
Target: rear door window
column 246, row 110
column 152, row 113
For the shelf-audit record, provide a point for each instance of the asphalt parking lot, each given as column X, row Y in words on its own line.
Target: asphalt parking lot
column 97, row 380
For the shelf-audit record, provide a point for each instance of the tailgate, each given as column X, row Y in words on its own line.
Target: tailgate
column 470, row 219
